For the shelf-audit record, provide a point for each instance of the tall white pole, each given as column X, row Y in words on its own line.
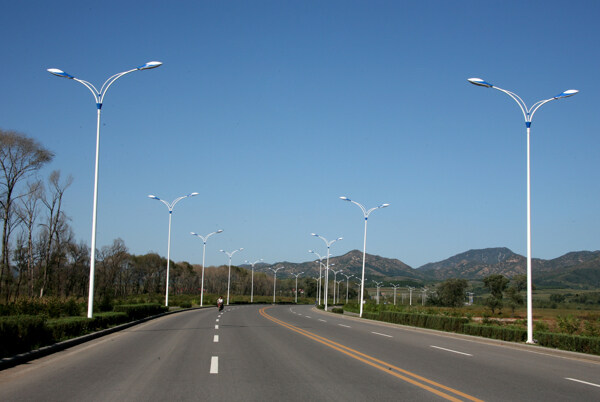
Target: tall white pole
column 168, row 259
column 529, row 281
column 202, row 282
column 362, row 278
column 94, row 217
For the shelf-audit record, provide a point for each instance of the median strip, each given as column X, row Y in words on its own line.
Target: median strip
column 390, row 369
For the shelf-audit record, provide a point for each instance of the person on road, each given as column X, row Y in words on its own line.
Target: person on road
column 220, row 303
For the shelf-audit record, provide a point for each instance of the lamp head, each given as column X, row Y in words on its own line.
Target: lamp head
column 345, row 198
column 60, row 73
column 567, row 93
column 194, row 233
column 314, row 234
column 220, row 231
column 153, row 197
column 479, row 82
column 149, row 65
column 194, row 194
column 384, row 205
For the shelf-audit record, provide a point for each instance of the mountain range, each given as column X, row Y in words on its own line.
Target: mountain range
column 580, row 269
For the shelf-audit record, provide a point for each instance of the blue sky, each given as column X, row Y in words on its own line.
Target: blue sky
column 271, row 110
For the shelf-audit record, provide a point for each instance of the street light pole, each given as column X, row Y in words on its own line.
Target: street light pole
column 528, row 115
column 410, row 289
column 274, row 280
column 334, row 282
column 378, row 286
column 320, row 263
column 395, row 287
column 170, row 207
column 328, row 244
column 347, row 282
column 252, row 285
column 230, row 254
column 99, row 98
column 297, row 275
column 204, row 239
column 366, row 216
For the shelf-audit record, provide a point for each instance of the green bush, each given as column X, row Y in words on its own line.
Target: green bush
column 110, row 319
column 21, row 333
column 139, row 311
column 503, row 333
column 69, row 327
column 337, row 310
column 442, row 323
column 573, row 343
column 321, row 306
column 52, row 307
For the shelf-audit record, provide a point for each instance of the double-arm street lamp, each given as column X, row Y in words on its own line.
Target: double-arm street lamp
column 230, row 254
column 395, row 288
column 204, row 239
column 274, row 280
column 170, row 207
column 252, row 283
column 297, row 275
column 410, row 289
column 347, row 282
column 319, row 285
column 334, row 282
column 378, row 284
column 99, row 98
column 528, row 115
column 366, row 214
column 328, row 244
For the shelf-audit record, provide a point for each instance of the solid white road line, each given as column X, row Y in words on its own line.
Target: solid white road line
column 216, row 338
column 345, row 326
column 450, row 350
column 214, row 365
column 377, row 333
column 583, row 382
column 216, row 327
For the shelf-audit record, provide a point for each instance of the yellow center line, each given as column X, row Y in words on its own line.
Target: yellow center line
column 376, row 363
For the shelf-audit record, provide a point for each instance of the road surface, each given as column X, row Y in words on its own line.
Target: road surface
column 296, row 353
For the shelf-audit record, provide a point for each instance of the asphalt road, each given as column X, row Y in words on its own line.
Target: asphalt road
column 296, row 353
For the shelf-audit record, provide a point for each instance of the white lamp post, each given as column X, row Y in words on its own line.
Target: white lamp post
column 338, row 289
column 347, row 282
column 328, row 244
column 410, row 289
column 252, row 283
column 378, row 284
column 423, row 293
column 470, row 294
column 366, row 214
column 170, row 207
column 230, row 254
column 204, row 239
column 395, row 287
column 528, row 115
column 320, row 263
column 334, row 282
column 297, row 275
column 99, row 98
column 274, row 280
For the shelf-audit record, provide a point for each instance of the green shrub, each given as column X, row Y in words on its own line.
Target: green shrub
column 185, row 304
column 442, row 323
column 139, row 311
column 105, row 320
column 337, row 310
column 511, row 334
column 21, row 333
column 573, row 343
column 321, row 306
column 69, row 327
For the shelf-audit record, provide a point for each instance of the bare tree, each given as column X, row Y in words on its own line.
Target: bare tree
column 55, row 224
column 20, row 156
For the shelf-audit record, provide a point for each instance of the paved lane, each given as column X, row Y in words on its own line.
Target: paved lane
column 264, row 353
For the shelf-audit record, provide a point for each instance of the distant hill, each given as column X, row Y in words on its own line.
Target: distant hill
column 351, row 263
column 577, row 270
column 574, row 269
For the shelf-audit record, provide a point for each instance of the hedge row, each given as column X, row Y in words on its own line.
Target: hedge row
column 139, row 311
column 573, row 343
column 22, row 333
column 439, row 322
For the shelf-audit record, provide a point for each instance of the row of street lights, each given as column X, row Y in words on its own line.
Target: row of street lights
column 99, row 98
